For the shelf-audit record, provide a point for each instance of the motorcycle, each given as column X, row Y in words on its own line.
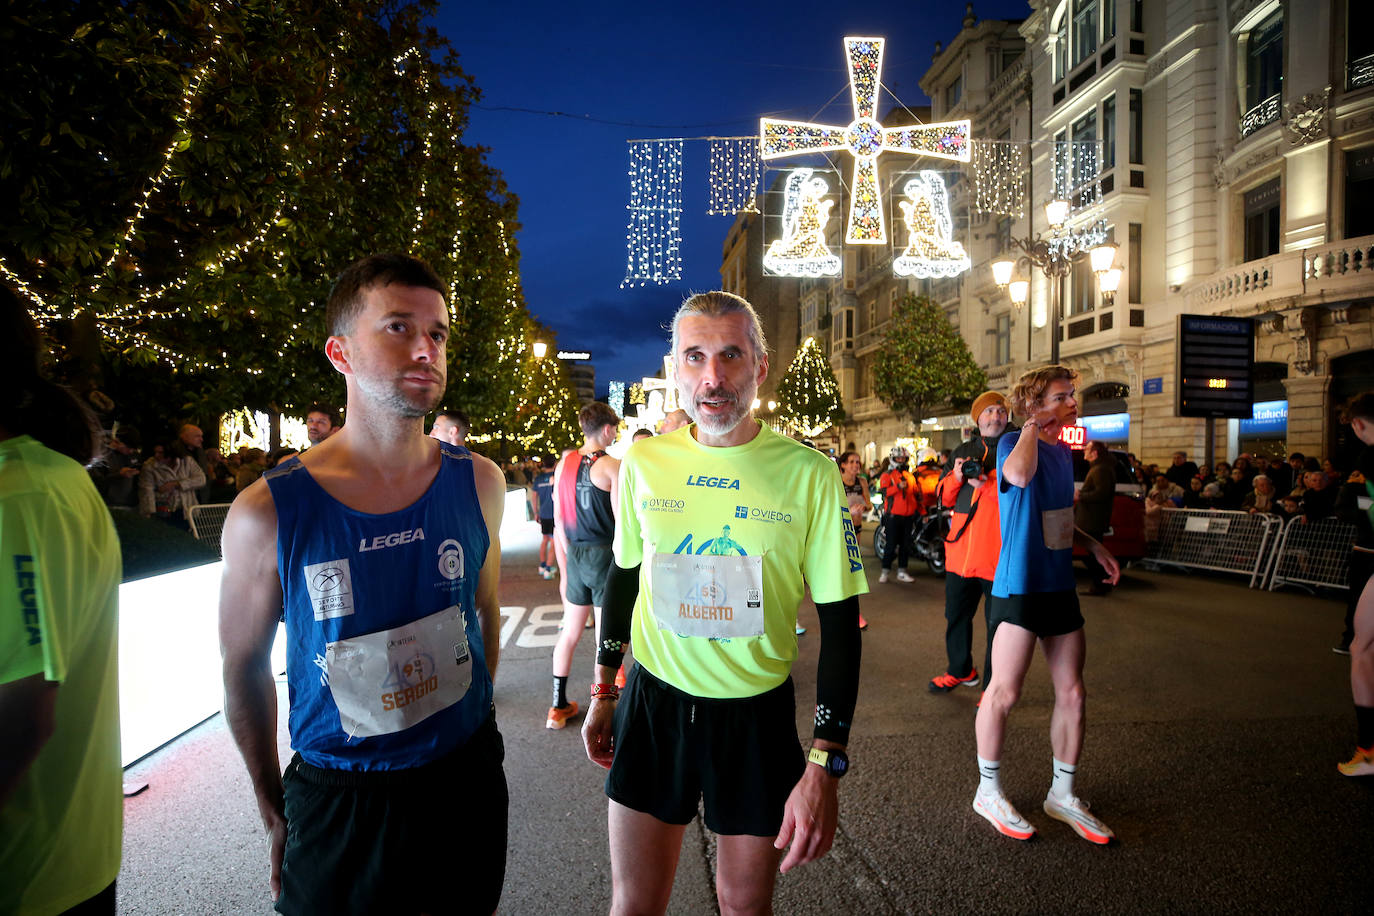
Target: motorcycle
column 927, row 539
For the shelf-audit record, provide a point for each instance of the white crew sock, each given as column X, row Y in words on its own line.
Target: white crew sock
column 1062, row 787
column 989, row 776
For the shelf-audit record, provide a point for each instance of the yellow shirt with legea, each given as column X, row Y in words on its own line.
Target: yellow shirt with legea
column 727, row 540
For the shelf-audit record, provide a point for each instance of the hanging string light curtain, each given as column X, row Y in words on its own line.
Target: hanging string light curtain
column 999, row 177
column 736, row 173
column 654, row 235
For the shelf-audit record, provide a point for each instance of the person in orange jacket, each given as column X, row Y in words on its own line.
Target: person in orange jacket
column 901, row 502
column 973, row 543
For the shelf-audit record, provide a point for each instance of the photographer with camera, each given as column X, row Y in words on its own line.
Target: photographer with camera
column 969, row 488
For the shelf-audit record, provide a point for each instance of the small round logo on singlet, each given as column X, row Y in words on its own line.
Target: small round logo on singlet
column 451, row 559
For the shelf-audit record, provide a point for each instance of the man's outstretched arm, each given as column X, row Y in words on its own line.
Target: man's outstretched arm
column 250, row 604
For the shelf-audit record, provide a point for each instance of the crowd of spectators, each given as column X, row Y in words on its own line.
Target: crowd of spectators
column 1296, row 486
column 175, row 473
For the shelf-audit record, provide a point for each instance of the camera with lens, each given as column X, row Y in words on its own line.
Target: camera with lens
column 973, row 469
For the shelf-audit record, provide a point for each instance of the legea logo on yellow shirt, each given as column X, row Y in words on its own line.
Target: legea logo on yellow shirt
column 720, row 483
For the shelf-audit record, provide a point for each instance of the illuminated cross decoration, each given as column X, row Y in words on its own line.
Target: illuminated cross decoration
column 865, row 138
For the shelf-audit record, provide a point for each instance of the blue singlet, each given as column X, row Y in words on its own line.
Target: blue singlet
column 347, row 573
column 1025, row 565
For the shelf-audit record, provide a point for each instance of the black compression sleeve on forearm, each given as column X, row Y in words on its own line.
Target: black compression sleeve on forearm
column 617, row 608
column 837, row 673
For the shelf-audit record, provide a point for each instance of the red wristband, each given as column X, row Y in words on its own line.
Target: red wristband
column 605, row 692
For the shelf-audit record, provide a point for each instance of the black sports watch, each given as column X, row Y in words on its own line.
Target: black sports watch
column 836, row 763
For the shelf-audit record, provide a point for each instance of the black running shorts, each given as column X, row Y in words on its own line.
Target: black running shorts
column 1043, row 613
column 546, row 527
column 587, row 566
column 740, row 757
column 431, row 839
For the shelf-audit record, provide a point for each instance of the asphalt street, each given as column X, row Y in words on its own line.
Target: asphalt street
column 1216, row 717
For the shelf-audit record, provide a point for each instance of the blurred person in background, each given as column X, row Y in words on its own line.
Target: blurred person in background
column 1358, row 639
column 168, row 484
column 321, row 422
column 61, row 800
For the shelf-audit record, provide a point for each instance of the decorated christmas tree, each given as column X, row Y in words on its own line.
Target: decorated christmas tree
column 808, row 395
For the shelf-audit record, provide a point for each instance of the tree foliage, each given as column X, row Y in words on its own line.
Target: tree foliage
column 924, row 362
column 184, row 178
column 808, row 395
column 546, row 421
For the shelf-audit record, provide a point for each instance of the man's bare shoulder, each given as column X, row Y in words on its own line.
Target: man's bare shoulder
column 487, row 475
column 252, row 519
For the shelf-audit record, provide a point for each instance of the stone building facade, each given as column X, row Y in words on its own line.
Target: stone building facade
column 1236, row 176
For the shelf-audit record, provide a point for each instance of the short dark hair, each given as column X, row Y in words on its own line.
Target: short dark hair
column 33, row 404
column 334, row 419
column 642, row 433
column 1361, row 405
column 456, row 417
column 596, row 415
column 346, row 298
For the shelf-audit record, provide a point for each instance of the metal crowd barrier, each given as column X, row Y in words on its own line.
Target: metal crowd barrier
column 1313, row 554
column 207, row 522
column 1223, row 541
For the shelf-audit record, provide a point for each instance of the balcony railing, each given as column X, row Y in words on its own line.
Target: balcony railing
column 1328, row 273
column 1265, row 112
column 1360, row 72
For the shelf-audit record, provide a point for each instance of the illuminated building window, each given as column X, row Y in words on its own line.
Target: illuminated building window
column 1133, row 263
column 1262, row 50
column 1002, row 340
column 1084, row 29
column 1109, row 132
column 1359, row 192
column 1262, row 221
column 1061, row 47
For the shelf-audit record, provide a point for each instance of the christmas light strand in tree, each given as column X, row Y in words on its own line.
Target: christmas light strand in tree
column 808, row 395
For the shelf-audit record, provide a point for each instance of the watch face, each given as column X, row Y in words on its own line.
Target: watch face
column 838, row 764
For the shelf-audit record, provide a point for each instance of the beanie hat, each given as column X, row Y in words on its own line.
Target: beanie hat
column 984, row 401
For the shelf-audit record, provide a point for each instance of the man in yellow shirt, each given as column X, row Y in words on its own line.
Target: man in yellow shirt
column 722, row 525
column 61, row 807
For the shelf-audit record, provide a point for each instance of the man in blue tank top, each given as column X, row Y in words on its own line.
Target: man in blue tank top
column 1033, row 600
column 379, row 549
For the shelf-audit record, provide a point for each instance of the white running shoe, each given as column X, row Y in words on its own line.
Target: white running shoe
column 904, row 576
column 882, row 576
column 1000, row 814
column 1074, row 812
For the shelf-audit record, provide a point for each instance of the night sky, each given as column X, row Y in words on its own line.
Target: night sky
column 623, row 71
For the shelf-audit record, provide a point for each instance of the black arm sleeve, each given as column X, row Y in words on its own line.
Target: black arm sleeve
column 837, row 673
column 618, row 605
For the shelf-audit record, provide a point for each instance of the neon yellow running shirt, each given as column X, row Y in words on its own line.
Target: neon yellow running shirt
column 60, row 832
column 708, row 508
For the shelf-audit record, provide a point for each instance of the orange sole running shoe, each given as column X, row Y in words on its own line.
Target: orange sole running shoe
column 947, row 682
column 1362, row 764
column 1000, row 814
column 1074, row 812
column 559, row 717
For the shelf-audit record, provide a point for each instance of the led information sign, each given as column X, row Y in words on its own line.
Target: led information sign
column 1215, row 359
column 1073, row 436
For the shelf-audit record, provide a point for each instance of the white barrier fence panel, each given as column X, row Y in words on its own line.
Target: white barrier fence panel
column 1223, row 541
column 1313, row 554
column 207, row 523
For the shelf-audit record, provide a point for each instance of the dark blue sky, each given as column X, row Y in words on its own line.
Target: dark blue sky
column 650, row 70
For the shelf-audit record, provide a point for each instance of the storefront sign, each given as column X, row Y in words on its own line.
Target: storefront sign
column 1268, row 418
column 1111, row 427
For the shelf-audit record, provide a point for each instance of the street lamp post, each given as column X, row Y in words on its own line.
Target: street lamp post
column 1055, row 257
